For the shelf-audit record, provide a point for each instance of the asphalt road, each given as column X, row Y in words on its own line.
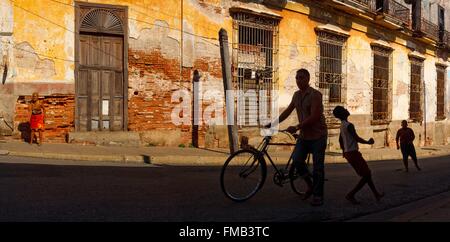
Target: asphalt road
column 52, row 190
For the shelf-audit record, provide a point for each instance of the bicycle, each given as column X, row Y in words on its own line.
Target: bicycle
column 249, row 164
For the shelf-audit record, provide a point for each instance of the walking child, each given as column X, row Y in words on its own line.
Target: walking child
column 348, row 140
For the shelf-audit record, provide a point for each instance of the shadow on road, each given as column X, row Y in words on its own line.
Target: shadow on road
column 120, row 192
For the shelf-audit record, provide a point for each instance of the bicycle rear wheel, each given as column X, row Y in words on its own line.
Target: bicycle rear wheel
column 243, row 174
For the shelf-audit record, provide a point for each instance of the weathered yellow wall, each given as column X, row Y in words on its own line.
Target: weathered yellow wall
column 47, row 27
column 33, row 24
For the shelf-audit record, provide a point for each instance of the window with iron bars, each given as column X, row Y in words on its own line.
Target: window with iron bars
column 415, row 101
column 255, row 51
column 440, row 112
column 331, row 76
column 381, row 80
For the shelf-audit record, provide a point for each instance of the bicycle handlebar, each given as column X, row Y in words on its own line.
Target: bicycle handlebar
column 283, row 131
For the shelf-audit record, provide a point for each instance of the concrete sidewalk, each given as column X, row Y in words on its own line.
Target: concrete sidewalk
column 178, row 155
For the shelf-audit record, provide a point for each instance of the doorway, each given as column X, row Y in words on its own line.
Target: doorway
column 100, row 68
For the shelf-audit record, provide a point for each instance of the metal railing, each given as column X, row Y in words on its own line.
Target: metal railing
column 398, row 11
column 430, row 29
column 367, row 5
column 394, row 9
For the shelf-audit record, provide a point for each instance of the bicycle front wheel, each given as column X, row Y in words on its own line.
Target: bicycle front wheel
column 243, row 174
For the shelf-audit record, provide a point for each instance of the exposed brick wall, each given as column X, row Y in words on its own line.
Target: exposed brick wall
column 152, row 80
column 210, row 65
column 59, row 118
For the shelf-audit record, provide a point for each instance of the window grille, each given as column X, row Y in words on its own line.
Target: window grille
column 381, row 79
column 440, row 112
column 255, row 70
column 415, row 108
column 331, row 74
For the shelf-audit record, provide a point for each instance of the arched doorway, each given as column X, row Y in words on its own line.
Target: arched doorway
column 100, row 73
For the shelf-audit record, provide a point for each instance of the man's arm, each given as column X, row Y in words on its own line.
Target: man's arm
column 316, row 111
column 285, row 114
column 352, row 131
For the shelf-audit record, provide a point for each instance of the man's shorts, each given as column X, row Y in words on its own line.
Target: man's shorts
column 358, row 163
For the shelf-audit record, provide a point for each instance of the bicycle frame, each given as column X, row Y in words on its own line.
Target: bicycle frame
column 263, row 147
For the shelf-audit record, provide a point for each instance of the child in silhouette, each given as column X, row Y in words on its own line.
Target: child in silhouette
column 348, row 140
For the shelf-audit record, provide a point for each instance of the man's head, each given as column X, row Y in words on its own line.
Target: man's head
column 404, row 124
column 302, row 78
column 341, row 113
column 35, row 96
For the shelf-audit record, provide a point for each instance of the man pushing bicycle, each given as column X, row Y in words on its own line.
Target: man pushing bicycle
column 313, row 134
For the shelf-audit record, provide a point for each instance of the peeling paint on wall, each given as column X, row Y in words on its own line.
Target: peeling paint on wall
column 29, row 64
column 157, row 38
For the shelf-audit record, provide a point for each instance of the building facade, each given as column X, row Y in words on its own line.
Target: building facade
column 119, row 66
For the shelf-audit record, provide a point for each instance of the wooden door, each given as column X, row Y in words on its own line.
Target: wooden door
column 100, row 89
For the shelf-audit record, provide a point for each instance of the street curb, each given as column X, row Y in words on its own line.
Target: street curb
column 110, row 158
column 177, row 160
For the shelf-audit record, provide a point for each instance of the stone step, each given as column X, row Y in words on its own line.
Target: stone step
column 116, row 138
